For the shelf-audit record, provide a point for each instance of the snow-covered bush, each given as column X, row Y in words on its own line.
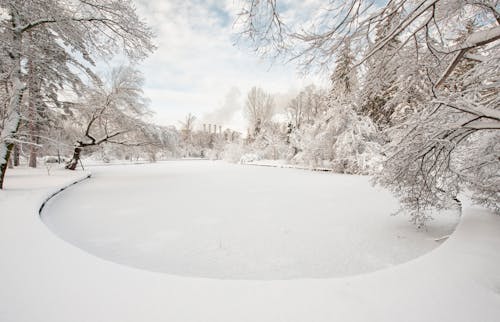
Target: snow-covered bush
column 343, row 139
column 309, row 147
column 212, row 154
column 53, row 159
column 233, row 152
column 249, row 157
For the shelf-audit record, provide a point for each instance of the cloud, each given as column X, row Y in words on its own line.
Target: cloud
column 197, row 65
column 226, row 113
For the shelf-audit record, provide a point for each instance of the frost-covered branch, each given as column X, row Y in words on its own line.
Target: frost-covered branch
column 429, row 80
column 111, row 113
column 52, row 37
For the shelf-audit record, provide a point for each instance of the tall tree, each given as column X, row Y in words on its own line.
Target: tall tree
column 259, row 109
column 111, row 113
column 187, row 128
column 344, row 79
column 379, row 85
column 86, row 28
column 429, row 165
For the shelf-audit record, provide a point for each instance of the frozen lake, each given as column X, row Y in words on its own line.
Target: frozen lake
column 218, row 220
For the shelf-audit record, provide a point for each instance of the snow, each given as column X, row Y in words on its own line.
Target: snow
column 249, row 157
column 46, row 279
column 212, row 219
column 482, row 37
column 287, row 164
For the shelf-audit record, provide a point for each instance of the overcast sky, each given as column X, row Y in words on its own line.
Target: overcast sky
column 198, row 69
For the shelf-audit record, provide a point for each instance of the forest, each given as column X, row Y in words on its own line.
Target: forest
column 413, row 99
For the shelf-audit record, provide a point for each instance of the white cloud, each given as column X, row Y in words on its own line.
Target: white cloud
column 228, row 110
column 196, row 63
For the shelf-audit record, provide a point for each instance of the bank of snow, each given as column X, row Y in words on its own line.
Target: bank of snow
column 43, row 278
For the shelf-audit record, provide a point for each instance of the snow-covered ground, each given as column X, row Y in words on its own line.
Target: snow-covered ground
column 43, row 278
column 218, row 220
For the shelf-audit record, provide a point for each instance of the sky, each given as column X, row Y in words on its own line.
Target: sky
column 197, row 67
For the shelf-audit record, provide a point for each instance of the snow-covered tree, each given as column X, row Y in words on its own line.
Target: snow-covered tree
column 111, row 113
column 439, row 110
column 306, row 106
column 296, row 110
column 344, row 79
column 259, row 109
column 380, row 83
column 156, row 142
column 85, row 29
column 452, row 144
column 344, row 139
column 187, row 128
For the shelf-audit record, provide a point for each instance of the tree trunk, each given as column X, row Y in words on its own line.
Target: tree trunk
column 32, row 162
column 3, row 165
column 11, row 125
column 34, row 108
column 32, row 159
column 16, row 155
column 10, row 130
column 75, row 159
column 10, row 165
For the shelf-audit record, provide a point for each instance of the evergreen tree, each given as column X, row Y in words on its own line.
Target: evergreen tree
column 344, row 79
column 380, row 82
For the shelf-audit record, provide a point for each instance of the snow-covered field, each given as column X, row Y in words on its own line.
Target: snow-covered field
column 44, row 278
column 213, row 219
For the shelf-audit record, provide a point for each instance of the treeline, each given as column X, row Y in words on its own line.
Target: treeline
column 414, row 82
column 52, row 98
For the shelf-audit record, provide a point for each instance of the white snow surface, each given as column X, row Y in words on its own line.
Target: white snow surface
column 44, row 278
column 218, row 220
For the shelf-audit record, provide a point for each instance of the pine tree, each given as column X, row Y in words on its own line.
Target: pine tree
column 380, row 82
column 344, row 79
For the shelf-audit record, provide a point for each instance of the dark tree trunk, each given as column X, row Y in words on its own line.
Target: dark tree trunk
column 10, row 165
column 3, row 165
column 34, row 151
column 16, row 155
column 75, row 159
